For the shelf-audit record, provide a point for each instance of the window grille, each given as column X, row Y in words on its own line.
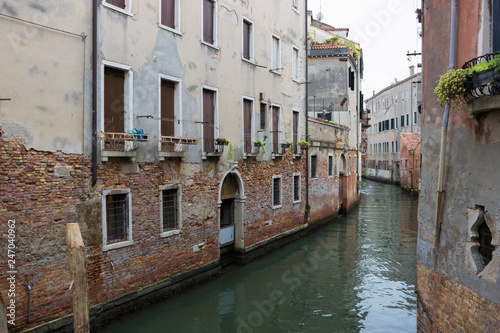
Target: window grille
column 170, row 209
column 117, row 218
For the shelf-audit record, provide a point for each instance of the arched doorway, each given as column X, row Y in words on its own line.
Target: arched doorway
column 231, row 210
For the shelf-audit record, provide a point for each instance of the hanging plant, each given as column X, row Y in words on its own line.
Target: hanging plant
column 451, row 86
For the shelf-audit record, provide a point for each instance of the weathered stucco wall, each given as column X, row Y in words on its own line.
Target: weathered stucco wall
column 470, row 182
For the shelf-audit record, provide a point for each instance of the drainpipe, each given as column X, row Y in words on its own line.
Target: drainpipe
column 306, row 109
column 94, row 92
column 444, row 131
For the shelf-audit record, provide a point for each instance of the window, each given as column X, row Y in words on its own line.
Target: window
column 169, row 109
column 314, row 166
column 170, row 213
column 402, row 120
column 392, row 147
column 351, row 79
column 407, row 119
column 397, row 146
column 262, row 116
column 276, row 131
column 116, row 219
column 402, row 95
column 210, row 119
column 296, row 133
column 295, row 64
column 209, row 21
column 276, row 55
column 248, row 40
column 407, row 95
column 276, row 191
column 396, row 122
column 170, row 15
column 330, row 165
column 116, row 103
column 248, row 125
column 123, row 6
column 392, row 123
column 415, row 117
column 295, row 5
column 296, row 187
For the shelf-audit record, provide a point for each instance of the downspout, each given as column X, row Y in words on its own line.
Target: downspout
column 94, row 92
column 307, row 111
column 444, row 132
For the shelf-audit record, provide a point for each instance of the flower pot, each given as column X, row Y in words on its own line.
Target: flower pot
column 482, row 79
column 285, row 145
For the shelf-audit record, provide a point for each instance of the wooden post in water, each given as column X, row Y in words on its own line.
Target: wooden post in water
column 78, row 273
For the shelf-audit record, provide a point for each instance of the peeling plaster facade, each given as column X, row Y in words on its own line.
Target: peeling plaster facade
column 456, row 290
column 46, row 144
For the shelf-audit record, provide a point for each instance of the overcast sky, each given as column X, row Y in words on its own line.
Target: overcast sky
column 386, row 30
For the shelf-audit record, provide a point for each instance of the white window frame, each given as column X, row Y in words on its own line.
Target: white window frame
column 129, row 241
column 317, row 162
column 281, row 192
column 126, row 11
column 252, row 129
column 276, row 70
column 295, row 174
column 216, row 111
column 280, row 138
column 128, row 97
column 295, row 64
column 396, row 122
column 177, row 19
column 295, row 6
column 330, row 158
column 177, row 104
column 252, row 40
column 169, row 233
column 215, row 44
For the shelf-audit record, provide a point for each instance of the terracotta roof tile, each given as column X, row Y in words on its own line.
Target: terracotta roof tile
column 327, row 46
column 410, row 139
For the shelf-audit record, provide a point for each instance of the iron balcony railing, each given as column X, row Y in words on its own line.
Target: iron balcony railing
column 481, row 84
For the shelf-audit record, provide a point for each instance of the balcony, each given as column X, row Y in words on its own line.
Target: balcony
column 213, row 147
column 171, row 146
column 121, row 144
column 482, row 88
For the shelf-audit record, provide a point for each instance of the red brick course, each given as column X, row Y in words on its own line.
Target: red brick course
column 444, row 305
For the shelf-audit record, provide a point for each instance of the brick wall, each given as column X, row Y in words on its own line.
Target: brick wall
column 444, row 305
column 44, row 191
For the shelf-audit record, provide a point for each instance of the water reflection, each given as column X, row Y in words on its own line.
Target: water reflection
column 357, row 275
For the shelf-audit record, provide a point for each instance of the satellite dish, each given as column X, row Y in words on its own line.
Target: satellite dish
column 319, row 16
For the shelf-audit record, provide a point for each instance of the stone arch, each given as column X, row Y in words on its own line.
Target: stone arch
column 231, row 206
column 342, row 164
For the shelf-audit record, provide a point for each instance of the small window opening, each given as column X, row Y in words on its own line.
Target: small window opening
column 485, row 247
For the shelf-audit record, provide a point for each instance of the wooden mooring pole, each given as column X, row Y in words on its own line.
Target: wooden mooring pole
column 78, row 273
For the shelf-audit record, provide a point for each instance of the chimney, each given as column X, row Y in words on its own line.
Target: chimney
column 412, row 70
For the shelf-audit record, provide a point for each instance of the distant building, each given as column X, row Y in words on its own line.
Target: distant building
column 410, row 161
column 458, row 249
column 393, row 111
column 335, row 71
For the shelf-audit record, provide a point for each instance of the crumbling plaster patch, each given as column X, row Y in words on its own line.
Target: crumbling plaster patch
column 229, row 16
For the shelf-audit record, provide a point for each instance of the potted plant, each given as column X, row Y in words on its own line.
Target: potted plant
column 258, row 143
column 451, row 86
column 303, row 144
column 285, row 145
column 484, row 74
column 222, row 142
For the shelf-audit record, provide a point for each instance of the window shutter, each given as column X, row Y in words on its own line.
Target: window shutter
column 168, row 13
column 495, row 33
column 246, row 40
column 117, row 3
column 208, row 21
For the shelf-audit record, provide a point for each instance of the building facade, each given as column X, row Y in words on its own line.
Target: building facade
column 393, row 111
column 335, row 67
column 458, row 255
column 167, row 130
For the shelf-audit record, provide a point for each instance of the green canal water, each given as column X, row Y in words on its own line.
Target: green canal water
column 356, row 275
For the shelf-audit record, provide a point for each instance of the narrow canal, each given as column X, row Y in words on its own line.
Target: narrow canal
column 356, row 275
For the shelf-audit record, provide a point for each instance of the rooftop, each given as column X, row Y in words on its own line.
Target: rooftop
column 411, row 140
